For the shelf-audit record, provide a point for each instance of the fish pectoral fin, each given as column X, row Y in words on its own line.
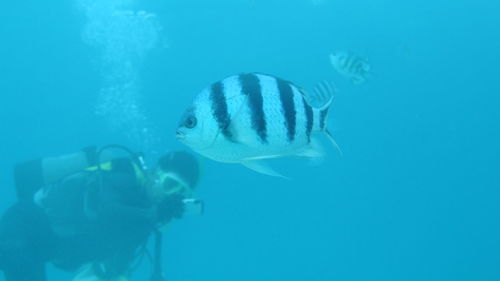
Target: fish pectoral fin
column 231, row 126
column 263, row 157
column 261, row 167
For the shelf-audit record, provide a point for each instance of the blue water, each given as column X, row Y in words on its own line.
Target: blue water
column 415, row 195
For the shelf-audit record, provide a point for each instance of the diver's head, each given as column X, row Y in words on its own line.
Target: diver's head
column 177, row 173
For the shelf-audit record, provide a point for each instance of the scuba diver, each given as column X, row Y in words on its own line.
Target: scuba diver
column 92, row 212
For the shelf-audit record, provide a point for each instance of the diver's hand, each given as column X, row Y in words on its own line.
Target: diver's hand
column 171, row 207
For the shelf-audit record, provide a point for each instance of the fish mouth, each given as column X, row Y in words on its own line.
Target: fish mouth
column 180, row 135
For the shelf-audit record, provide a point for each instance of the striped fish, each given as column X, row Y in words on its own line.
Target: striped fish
column 351, row 66
column 250, row 117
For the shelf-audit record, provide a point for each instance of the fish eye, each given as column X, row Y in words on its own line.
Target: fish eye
column 190, row 122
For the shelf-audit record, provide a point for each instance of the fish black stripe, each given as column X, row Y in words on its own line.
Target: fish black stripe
column 359, row 68
column 288, row 107
column 309, row 119
column 322, row 118
column 347, row 62
column 219, row 109
column 352, row 63
column 250, row 86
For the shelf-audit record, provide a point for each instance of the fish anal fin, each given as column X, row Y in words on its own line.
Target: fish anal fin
column 332, row 140
column 312, row 150
column 261, row 167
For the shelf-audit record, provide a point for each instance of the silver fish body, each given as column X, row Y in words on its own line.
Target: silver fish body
column 351, row 66
column 249, row 117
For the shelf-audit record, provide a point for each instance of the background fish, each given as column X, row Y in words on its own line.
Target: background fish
column 351, row 66
column 250, row 117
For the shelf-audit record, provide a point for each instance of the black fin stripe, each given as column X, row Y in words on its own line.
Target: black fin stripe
column 219, row 108
column 347, row 62
column 250, row 86
column 288, row 107
column 320, row 92
column 323, row 94
column 322, row 118
column 359, row 68
column 352, row 64
column 309, row 119
column 359, row 65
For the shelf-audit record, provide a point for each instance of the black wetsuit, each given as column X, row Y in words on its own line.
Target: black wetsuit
column 99, row 217
column 26, row 242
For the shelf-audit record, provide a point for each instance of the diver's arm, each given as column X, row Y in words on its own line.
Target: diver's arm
column 123, row 200
column 172, row 207
column 119, row 213
column 88, row 273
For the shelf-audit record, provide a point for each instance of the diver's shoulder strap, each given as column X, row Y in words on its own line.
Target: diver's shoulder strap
column 64, row 202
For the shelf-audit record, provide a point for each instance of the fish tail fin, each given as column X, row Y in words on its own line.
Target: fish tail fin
column 322, row 96
column 320, row 100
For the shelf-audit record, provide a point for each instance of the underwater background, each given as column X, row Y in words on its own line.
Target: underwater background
column 415, row 195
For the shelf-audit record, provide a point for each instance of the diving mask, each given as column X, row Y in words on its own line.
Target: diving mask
column 170, row 183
